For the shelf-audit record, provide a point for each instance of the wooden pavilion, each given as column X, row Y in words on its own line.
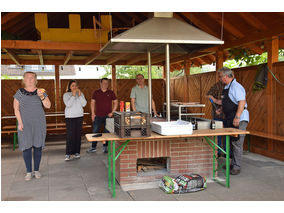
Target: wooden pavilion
column 76, row 38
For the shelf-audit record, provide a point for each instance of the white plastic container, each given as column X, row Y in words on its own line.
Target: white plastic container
column 110, row 125
column 178, row 127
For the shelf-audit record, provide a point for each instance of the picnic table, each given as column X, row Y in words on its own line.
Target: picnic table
column 207, row 134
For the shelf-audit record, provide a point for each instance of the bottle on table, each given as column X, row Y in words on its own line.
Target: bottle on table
column 213, row 124
column 196, row 124
column 121, row 106
column 193, row 124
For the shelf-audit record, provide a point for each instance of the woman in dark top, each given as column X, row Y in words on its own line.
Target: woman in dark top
column 28, row 107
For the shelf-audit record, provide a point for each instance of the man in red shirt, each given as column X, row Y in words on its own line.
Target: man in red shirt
column 102, row 101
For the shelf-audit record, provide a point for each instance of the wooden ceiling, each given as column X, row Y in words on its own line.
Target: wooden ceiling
column 245, row 30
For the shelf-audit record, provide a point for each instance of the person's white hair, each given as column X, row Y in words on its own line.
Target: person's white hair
column 226, row 71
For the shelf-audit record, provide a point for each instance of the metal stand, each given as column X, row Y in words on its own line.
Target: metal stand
column 227, row 153
column 111, row 163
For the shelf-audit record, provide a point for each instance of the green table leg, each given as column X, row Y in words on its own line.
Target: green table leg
column 109, row 164
column 227, row 161
column 113, row 169
column 214, row 160
column 248, row 143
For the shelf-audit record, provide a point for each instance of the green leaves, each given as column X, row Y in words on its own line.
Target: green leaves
column 130, row 72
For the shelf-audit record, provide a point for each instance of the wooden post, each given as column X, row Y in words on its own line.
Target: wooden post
column 219, row 63
column 164, row 91
column 164, row 72
column 113, row 79
column 57, row 90
column 185, row 80
column 272, row 57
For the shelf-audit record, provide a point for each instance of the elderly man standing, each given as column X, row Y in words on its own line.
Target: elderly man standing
column 102, row 100
column 139, row 96
column 234, row 107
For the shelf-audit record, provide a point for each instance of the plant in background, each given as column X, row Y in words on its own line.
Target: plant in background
column 246, row 57
column 130, row 72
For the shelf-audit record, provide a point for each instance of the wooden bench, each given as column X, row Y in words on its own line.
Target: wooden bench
column 50, row 127
column 264, row 135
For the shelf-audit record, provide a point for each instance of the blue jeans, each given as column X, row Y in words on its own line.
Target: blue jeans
column 219, row 139
column 98, row 123
column 27, row 155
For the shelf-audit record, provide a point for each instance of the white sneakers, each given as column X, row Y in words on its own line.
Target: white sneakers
column 77, row 156
column 68, row 157
column 37, row 175
column 29, row 175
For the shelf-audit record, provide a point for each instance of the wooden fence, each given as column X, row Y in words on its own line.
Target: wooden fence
column 198, row 85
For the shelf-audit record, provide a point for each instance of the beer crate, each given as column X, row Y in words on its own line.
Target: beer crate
column 128, row 131
column 132, row 124
column 132, row 119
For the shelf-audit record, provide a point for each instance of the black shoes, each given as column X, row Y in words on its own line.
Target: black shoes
column 232, row 171
column 235, row 171
column 224, row 167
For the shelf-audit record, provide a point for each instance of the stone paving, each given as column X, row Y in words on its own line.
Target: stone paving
column 85, row 179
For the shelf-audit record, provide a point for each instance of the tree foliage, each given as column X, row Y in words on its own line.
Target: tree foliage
column 244, row 57
column 130, row 72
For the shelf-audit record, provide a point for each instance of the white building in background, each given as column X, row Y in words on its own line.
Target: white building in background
column 48, row 71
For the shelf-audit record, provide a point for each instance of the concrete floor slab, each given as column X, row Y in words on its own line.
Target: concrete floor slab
column 261, row 178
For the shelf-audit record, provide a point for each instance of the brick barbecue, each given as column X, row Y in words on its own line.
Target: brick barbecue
column 192, row 155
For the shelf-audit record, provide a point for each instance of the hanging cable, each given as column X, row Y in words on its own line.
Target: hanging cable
column 222, row 26
column 275, row 78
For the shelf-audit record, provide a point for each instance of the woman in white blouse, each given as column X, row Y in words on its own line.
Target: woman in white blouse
column 74, row 101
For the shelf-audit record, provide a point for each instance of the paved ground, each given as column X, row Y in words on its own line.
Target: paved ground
column 85, row 179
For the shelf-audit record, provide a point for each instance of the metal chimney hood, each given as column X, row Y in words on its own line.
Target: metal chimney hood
column 161, row 34
column 161, row 29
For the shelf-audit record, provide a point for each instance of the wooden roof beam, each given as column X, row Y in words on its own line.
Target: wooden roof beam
column 253, row 21
column 196, row 62
column 200, row 61
column 116, row 58
column 14, row 22
column 49, row 45
column 207, row 60
column 8, row 17
column 158, row 59
column 281, row 43
column 136, row 16
column 189, row 56
column 226, row 55
column 227, row 25
column 275, row 30
column 39, row 52
column 67, row 57
column 22, row 25
column 136, row 58
column 212, row 57
column 12, row 56
column 122, row 17
column 91, row 58
column 255, row 49
column 180, row 17
column 52, row 62
column 201, row 25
